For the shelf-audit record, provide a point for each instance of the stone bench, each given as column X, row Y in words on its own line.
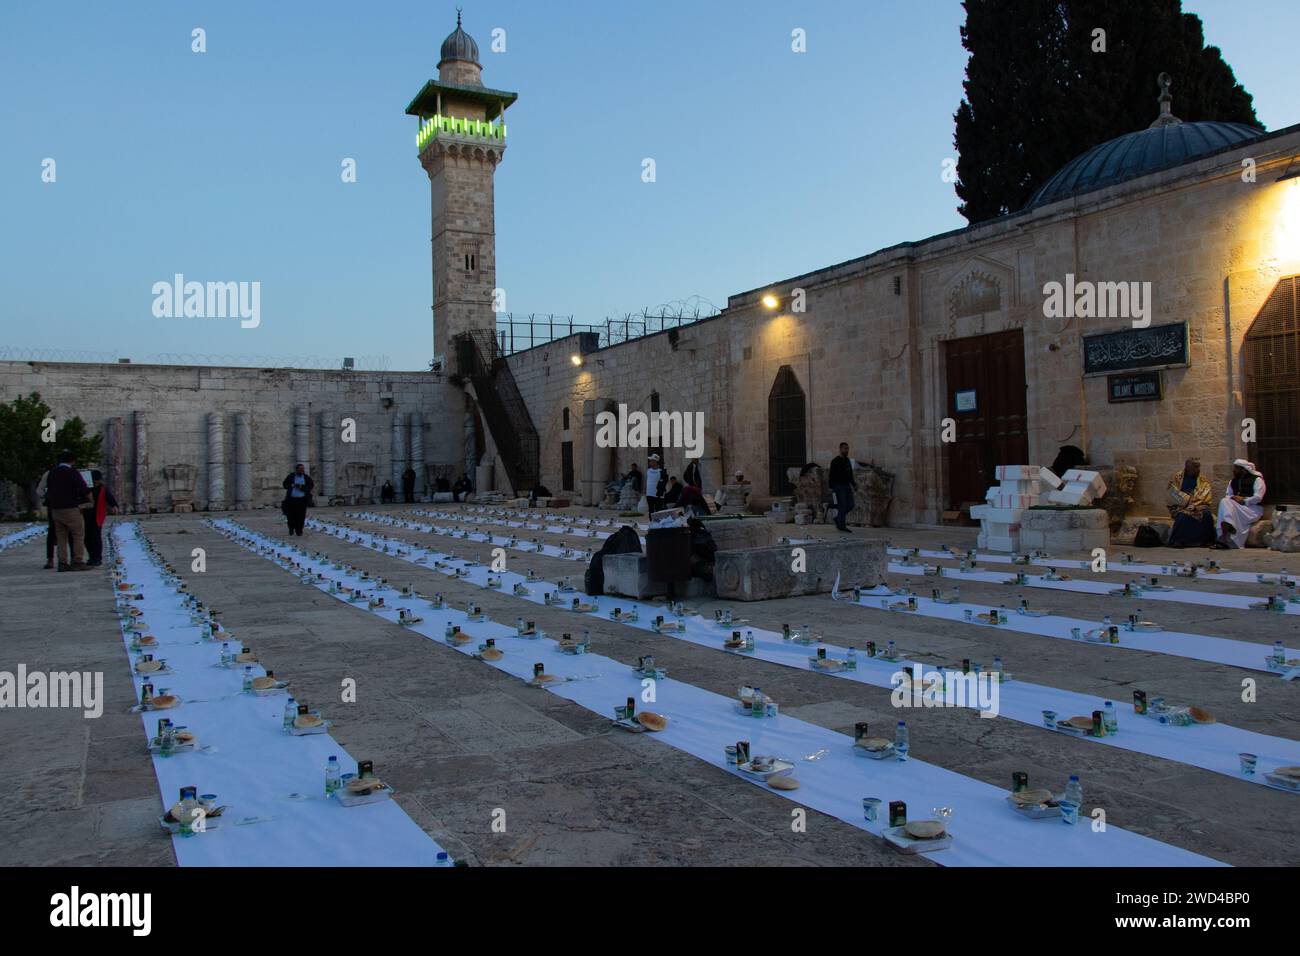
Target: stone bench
column 756, row 574
column 629, row 575
column 735, row 533
column 1067, row 529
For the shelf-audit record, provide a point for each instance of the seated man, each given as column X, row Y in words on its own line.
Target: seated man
column 703, row 550
column 1242, row 506
column 461, row 488
column 387, row 494
column 692, row 500
column 1190, row 497
column 673, row 493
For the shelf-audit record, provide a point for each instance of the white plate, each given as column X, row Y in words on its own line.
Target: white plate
column 886, row 754
column 1283, row 783
column 1039, row 812
column 779, row 769
column 322, row 728
column 898, row 838
column 348, row 800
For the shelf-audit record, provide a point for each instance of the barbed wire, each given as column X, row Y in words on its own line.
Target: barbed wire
column 374, row 363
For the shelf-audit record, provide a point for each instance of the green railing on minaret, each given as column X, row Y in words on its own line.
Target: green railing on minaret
column 458, row 125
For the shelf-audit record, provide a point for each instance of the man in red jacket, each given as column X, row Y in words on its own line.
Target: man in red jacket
column 66, row 492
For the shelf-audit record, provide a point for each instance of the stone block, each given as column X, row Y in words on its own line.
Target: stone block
column 1065, row 529
column 1286, row 531
column 1128, row 529
column 999, row 542
column 629, row 575
column 730, row 534
column 755, row 574
column 1260, row 534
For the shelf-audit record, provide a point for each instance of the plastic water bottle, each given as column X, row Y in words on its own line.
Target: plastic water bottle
column 1074, row 791
column 226, row 656
column 443, row 859
column 1110, row 720
column 332, row 776
column 248, row 678
column 852, row 659
column 290, row 712
column 1279, row 652
column 900, row 741
column 997, row 666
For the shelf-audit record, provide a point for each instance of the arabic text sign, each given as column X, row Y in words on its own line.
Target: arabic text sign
column 1160, row 346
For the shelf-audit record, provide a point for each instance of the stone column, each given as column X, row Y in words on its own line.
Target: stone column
column 301, row 438
column 470, row 444
column 243, row 462
column 417, row 451
column 398, row 450
column 140, row 475
column 114, row 477
column 216, row 461
column 325, row 480
column 590, row 493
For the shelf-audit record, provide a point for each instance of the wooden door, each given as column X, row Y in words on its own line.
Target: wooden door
column 986, row 398
column 566, row 466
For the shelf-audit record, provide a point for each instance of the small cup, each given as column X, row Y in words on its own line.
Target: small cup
column 731, row 753
column 620, row 712
column 871, row 808
column 1076, row 633
column 969, row 615
column 1049, row 719
column 208, row 801
column 1248, row 762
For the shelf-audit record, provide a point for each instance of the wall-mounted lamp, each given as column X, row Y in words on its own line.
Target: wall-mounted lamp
column 770, row 301
column 576, row 359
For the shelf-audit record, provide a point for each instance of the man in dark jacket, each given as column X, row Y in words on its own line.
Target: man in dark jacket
column 841, row 482
column 66, row 492
column 297, row 498
column 408, row 484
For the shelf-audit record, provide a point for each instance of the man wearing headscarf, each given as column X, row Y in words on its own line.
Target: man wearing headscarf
column 1190, row 498
column 1242, row 506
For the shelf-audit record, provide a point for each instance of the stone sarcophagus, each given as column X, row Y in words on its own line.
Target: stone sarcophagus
column 755, row 574
column 358, row 482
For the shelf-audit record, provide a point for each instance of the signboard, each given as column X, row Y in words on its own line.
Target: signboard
column 1160, row 346
column 965, row 400
column 1136, row 387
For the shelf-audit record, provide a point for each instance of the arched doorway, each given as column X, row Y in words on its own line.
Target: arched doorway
column 787, row 430
column 1271, row 360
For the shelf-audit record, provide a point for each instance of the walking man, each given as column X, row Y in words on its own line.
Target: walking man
column 841, row 482
column 297, row 498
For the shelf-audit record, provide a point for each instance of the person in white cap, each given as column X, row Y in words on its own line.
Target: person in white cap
column 1242, row 506
column 655, row 481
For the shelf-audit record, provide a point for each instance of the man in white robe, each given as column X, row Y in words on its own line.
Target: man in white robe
column 1242, row 506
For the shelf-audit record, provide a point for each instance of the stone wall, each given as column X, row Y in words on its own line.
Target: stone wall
column 177, row 402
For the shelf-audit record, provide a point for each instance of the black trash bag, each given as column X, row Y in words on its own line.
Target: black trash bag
column 1146, row 537
column 623, row 541
column 1070, row 456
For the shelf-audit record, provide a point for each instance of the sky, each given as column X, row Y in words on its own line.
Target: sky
column 227, row 165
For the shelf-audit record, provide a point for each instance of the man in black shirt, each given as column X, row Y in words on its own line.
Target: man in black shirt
column 841, row 482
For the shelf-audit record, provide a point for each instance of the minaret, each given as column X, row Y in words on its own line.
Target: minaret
column 461, row 139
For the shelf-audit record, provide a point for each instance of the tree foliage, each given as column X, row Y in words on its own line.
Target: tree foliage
column 25, row 456
column 1038, row 92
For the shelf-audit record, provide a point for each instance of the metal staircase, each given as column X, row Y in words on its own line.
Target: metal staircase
column 479, row 360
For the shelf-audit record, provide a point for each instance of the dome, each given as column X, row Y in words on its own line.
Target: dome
column 1163, row 146
column 459, row 45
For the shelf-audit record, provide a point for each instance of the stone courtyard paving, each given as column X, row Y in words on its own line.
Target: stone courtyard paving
column 459, row 739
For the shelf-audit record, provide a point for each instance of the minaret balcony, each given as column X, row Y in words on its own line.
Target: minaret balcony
column 459, row 129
